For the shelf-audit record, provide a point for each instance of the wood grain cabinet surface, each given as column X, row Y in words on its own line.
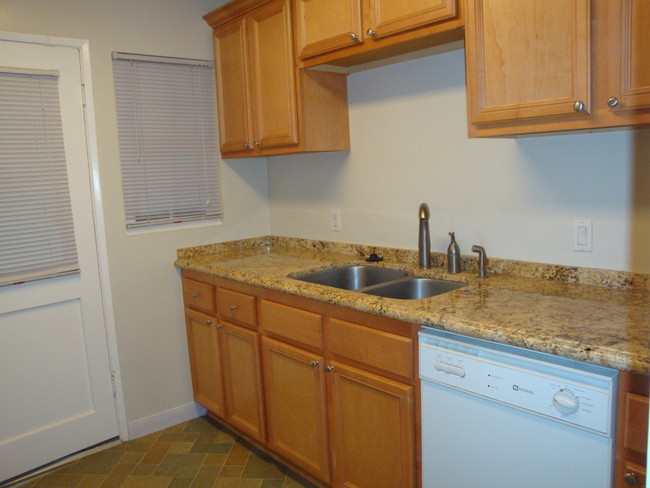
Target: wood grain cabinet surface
column 556, row 65
column 330, row 391
column 348, row 32
column 265, row 105
column 632, row 431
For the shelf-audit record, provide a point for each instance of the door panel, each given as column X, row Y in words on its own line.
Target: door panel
column 527, row 59
column 388, row 17
column 57, row 396
column 273, row 75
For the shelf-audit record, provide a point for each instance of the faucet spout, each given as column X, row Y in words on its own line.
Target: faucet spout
column 424, row 238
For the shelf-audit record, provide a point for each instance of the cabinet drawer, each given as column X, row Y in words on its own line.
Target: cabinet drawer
column 292, row 324
column 236, row 306
column 199, row 296
column 375, row 348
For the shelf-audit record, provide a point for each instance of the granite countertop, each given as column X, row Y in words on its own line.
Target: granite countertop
column 605, row 325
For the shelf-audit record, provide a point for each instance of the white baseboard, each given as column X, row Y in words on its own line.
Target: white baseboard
column 162, row 420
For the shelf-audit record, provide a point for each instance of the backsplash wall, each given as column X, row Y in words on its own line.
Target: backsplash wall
column 518, row 197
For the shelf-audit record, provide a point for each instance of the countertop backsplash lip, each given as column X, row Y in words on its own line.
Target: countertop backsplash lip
column 409, row 258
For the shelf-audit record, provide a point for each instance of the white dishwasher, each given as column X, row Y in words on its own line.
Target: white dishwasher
column 497, row 416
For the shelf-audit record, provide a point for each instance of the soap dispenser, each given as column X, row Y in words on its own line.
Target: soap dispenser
column 453, row 256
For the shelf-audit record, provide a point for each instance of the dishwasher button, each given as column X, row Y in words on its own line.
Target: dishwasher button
column 455, row 370
column 440, row 366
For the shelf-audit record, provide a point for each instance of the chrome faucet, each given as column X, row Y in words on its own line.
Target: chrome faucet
column 424, row 240
column 482, row 260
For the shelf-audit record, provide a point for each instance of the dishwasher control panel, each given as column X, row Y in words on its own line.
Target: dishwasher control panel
column 577, row 394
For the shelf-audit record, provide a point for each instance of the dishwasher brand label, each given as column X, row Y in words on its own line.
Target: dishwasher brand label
column 523, row 390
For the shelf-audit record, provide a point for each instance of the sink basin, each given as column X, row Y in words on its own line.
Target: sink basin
column 414, row 288
column 353, row 277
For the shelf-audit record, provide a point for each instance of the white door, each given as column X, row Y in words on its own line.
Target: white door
column 56, row 396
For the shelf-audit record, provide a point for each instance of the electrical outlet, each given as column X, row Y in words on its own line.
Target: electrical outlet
column 335, row 220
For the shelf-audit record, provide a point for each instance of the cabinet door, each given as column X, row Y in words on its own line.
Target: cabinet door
column 629, row 44
column 387, row 17
column 273, row 75
column 203, row 342
column 326, row 25
column 372, row 428
column 527, row 60
column 240, row 350
column 294, row 386
column 234, row 104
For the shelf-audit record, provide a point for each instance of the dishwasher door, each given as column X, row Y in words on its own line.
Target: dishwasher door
column 497, row 416
column 472, row 442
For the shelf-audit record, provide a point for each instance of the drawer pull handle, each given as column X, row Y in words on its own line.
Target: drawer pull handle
column 329, row 368
column 233, row 308
column 196, row 295
column 314, row 363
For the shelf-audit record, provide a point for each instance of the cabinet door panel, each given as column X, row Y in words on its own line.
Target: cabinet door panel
column 242, row 379
column 326, row 25
column 294, row 386
column 273, row 76
column 234, row 105
column 388, row 17
column 207, row 379
column 527, row 59
column 372, row 426
column 630, row 64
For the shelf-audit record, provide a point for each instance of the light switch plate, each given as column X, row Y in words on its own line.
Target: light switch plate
column 583, row 235
column 335, row 220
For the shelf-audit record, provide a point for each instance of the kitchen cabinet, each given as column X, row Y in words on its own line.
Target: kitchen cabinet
column 331, row 391
column 207, row 377
column 294, row 381
column 372, row 429
column 348, row 32
column 266, row 106
column 556, row 65
column 632, row 431
column 242, row 378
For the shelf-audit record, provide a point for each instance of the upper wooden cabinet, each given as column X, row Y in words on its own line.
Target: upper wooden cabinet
column 265, row 105
column 348, row 32
column 556, row 65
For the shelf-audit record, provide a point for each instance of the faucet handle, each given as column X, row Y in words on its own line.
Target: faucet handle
column 482, row 260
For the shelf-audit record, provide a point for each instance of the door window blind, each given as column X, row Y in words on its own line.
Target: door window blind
column 36, row 227
column 167, row 135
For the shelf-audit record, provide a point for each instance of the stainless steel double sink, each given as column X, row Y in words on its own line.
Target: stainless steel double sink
column 383, row 282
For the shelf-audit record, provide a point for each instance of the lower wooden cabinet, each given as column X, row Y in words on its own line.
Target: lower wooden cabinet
column 372, row 428
column 205, row 361
column 294, row 382
column 242, row 377
column 632, row 431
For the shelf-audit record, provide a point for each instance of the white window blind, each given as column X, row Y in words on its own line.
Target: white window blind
column 167, row 134
column 36, row 228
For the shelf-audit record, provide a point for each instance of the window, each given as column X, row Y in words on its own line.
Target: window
column 36, row 227
column 167, row 135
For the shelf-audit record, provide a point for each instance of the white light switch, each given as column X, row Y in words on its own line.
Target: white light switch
column 582, row 235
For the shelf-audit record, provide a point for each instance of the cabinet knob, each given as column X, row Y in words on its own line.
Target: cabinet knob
column 630, row 479
column 196, row 295
column 329, row 368
column 219, row 326
column 354, row 37
column 612, row 102
column 578, row 106
column 256, row 143
column 208, row 322
column 371, row 32
column 246, row 144
column 314, row 363
column 233, row 308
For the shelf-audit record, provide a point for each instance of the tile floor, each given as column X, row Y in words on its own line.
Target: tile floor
column 195, row 454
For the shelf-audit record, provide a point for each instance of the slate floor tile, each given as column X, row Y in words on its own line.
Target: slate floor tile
column 99, row 463
column 180, row 465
